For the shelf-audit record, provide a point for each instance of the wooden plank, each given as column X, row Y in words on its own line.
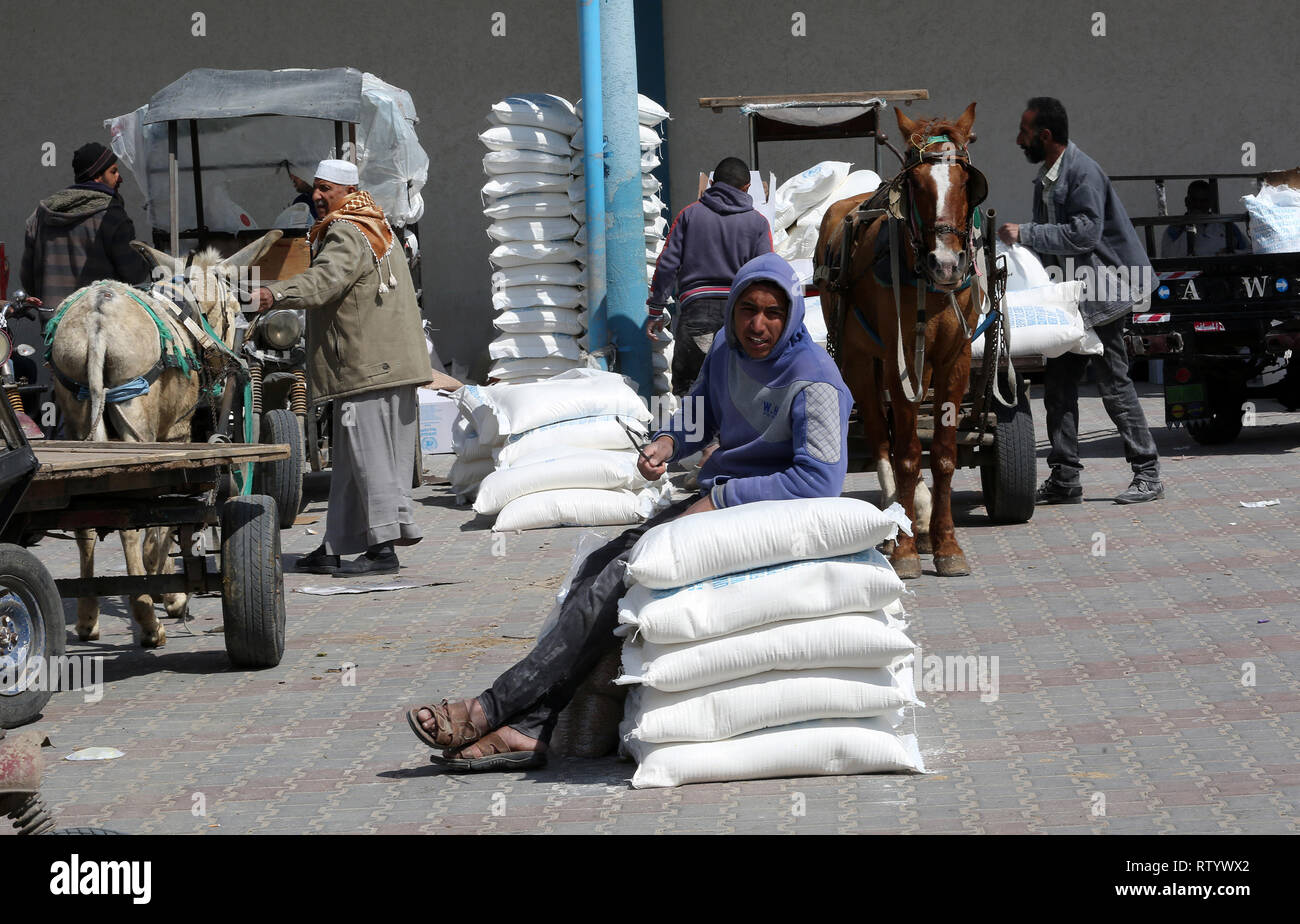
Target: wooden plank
column 68, row 460
column 813, row 99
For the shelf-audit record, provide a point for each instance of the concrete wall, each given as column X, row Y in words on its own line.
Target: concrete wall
column 1172, row 86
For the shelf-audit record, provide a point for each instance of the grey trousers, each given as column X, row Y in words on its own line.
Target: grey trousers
column 372, row 464
column 1118, row 396
column 693, row 329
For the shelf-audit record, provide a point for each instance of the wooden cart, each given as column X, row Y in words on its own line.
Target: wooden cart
column 231, row 547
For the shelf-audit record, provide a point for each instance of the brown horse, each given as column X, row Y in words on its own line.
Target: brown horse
column 874, row 327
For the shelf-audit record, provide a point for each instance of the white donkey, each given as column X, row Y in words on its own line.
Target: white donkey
column 116, row 376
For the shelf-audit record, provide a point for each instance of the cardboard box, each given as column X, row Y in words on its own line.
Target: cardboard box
column 287, row 257
column 437, row 415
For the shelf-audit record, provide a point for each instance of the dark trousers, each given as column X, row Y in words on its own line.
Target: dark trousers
column 529, row 696
column 1118, row 396
column 693, row 329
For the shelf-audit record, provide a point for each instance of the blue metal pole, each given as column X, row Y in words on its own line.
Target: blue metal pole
column 593, row 159
column 624, row 223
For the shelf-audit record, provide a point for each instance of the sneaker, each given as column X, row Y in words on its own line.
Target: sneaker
column 317, row 562
column 375, row 560
column 1139, row 492
column 1053, row 492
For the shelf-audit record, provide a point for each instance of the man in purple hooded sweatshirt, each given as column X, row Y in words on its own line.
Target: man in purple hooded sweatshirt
column 779, row 409
column 711, row 239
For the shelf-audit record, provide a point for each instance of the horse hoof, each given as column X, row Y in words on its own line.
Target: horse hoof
column 907, row 567
column 951, row 565
column 887, row 547
column 923, row 544
column 88, row 635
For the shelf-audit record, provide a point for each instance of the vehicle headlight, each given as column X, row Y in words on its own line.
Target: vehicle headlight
column 282, row 328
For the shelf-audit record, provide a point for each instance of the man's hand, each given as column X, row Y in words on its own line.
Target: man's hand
column 654, row 458
column 1009, row 234
column 263, row 299
column 654, row 325
column 702, row 505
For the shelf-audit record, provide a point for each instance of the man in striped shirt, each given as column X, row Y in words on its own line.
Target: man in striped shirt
column 711, row 239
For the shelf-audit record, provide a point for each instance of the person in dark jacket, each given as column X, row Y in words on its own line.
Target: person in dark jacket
column 81, row 234
column 711, row 239
column 1080, row 222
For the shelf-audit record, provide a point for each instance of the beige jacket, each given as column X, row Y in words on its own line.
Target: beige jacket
column 358, row 338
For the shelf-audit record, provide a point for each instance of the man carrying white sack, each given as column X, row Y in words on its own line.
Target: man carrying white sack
column 366, row 353
column 780, row 411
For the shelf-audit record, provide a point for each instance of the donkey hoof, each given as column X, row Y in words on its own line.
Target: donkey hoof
column 156, row 640
column 88, row 635
column 951, row 565
column 923, row 544
column 907, row 567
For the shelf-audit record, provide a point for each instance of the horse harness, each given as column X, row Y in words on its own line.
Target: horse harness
column 895, row 203
column 176, row 298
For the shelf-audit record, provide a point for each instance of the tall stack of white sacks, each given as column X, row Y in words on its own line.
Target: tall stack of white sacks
column 565, row 451
column 537, row 288
column 653, row 210
column 765, row 641
column 657, row 221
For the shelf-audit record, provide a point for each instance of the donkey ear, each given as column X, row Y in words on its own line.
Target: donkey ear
column 907, row 126
column 967, row 121
column 253, row 252
column 158, row 258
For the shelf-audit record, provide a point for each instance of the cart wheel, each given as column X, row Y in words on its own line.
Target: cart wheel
column 1224, row 423
column 31, row 630
column 282, row 479
column 252, row 582
column 1008, row 477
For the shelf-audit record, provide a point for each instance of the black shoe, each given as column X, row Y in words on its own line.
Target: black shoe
column 1053, row 492
column 374, row 561
column 317, row 562
column 1139, row 492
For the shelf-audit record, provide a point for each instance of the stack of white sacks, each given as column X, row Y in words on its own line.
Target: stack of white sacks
column 801, row 203
column 653, row 209
column 562, row 452
column 537, row 289
column 1043, row 316
column 765, row 641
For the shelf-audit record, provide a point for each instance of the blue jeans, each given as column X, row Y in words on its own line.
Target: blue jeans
column 1118, row 396
column 529, row 696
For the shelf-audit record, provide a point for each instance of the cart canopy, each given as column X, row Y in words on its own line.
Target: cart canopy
column 249, row 123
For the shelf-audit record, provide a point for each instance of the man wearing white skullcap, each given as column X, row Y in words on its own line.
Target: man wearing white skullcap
column 366, row 354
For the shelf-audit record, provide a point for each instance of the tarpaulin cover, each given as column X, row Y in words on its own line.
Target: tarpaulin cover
column 250, row 123
column 208, row 93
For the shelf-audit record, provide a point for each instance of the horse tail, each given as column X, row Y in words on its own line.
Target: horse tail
column 96, row 335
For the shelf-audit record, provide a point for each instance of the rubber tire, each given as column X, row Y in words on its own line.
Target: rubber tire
column 23, row 573
column 1008, row 479
column 282, row 479
column 1224, row 424
column 252, row 582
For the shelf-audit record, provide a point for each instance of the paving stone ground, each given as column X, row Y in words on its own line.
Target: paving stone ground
column 1150, row 689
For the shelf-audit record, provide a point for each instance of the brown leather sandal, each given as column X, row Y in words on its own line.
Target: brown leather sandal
column 451, row 731
column 496, row 757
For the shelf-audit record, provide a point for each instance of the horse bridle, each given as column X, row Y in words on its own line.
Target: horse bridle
column 919, row 154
